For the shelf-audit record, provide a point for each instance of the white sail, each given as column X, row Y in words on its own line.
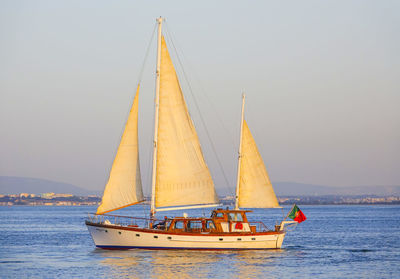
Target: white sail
column 124, row 187
column 182, row 176
column 255, row 188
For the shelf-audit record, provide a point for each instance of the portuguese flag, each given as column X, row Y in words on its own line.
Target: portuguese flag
column 297, row 215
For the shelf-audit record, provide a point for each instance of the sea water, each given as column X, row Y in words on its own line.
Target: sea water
column 334, row 242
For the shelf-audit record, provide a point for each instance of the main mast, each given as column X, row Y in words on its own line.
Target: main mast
column 240, row 155
column 157, row 103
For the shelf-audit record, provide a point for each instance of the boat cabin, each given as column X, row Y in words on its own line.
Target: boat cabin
column 220, row 221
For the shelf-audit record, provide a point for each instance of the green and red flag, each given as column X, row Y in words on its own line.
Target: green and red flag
column 297, row 215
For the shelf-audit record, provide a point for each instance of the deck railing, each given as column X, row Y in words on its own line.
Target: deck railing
column 260, row 226
column 119, row 220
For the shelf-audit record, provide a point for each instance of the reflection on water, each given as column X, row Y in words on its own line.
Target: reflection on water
column 256, row 264
column 189, row 264
column 121, row 264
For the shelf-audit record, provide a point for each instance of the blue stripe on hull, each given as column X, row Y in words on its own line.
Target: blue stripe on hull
column 110, row 247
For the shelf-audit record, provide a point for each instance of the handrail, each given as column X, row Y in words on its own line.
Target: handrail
column 118, row 220
column 261, row 226
column 122, row 216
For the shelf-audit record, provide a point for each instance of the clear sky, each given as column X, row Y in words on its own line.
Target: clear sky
column 322, row 80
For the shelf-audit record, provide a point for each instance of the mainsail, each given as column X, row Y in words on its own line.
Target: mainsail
column 255, row 188
column 182, row 176
column 124, row 187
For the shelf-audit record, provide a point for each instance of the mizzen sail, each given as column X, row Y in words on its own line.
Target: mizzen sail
column 124, row 186
column 182, row 176
column 255, row 188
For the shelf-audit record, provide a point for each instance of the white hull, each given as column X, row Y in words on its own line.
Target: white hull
column 121, row 237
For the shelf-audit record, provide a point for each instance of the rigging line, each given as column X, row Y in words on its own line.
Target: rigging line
column 150, row 151
column 198, row 109
column 138, row 82
column 149, row 168
column 127, row 115
column 203, row 91
column 147, row 54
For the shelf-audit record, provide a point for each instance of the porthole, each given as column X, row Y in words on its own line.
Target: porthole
column 239, row 239
column 169, row 237
column 119, row 232
column 106, row 231
column 221, row 239
column 137, row 234
column 253, row 238
column 155, row 236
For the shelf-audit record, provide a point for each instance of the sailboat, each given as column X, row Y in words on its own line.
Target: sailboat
column 181, row 180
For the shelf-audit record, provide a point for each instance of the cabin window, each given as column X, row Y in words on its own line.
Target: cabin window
column 210, row 224
column 194, row 225
column 218, row 215
column 237, row 217
column 179, row 225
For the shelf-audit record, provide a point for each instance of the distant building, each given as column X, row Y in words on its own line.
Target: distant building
column 47, row 195
column 62, row 196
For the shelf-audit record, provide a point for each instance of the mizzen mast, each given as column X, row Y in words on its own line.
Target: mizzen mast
column 157, row 105
column 240, row 155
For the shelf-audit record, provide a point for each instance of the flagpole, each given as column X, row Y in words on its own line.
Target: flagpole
column 289, row 212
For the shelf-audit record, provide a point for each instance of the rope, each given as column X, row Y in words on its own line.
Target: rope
column 203, row 91
column 146, row 55
column 127, row 115
column 150, row 139
column 198, row 109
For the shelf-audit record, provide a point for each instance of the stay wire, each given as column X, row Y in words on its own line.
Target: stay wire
column 147, row 54
column 127, row 116
column 138, row 82
column 151, row 135
column 198, row 109
column 203, row 91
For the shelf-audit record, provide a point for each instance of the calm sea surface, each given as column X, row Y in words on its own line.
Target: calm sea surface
column 334, row 242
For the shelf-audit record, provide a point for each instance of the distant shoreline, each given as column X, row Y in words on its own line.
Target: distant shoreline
column 52, row 199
